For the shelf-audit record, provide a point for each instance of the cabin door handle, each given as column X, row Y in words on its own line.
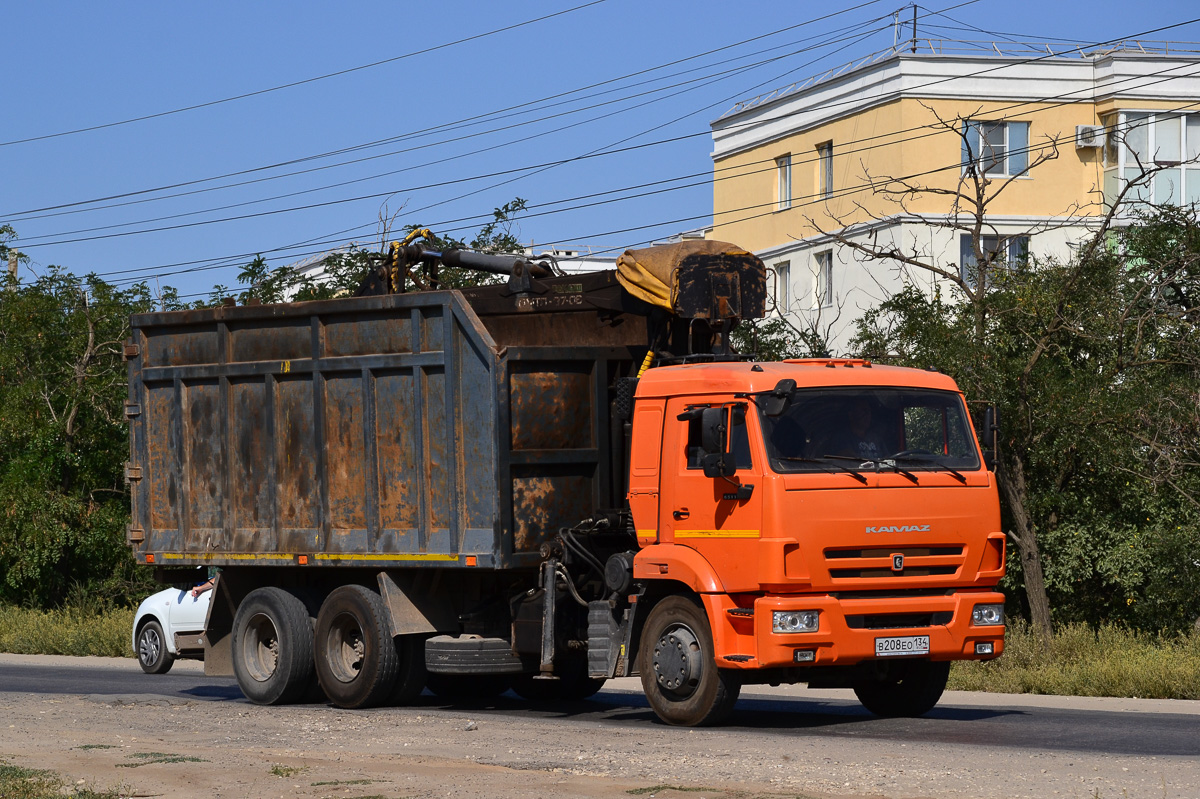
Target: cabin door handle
column 680, row 514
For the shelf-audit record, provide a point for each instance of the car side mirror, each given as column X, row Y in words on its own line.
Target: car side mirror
column 714, row 440
column 780, row 397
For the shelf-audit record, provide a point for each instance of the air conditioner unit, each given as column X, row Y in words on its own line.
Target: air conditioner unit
column 1089, row 136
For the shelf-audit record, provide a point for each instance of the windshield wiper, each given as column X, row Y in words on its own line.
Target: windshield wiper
column 888, row 462
column 922, row 457
column 832, row 468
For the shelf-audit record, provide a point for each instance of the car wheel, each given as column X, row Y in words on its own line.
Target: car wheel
column 153, row 655
column 679, row 675
column 910, row 688
column 272, row 647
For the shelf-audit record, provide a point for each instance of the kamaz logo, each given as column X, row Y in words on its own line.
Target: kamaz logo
column 905, row 528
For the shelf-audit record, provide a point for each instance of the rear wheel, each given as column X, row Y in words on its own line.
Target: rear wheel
column 272, row 647
column 153, row 655
column 410, row 670
column 356, row 657
column 910, row 688
column 679, row 675
column 573, row 684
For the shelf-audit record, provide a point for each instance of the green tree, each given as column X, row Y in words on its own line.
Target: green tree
column 1095, row 365
column 342, row 272
column 63, row 437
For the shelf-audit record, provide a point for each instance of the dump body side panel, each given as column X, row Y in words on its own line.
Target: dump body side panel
column 349, row 431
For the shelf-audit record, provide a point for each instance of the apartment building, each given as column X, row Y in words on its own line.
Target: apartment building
column 883, row 153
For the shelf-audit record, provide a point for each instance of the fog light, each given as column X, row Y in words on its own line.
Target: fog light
column 805, row 656
column 984, row 648
column 987, row 615
column 794, row 621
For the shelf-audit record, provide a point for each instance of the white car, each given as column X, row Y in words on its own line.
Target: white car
column 169, row 625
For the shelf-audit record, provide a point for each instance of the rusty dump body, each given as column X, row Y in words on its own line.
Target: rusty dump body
column 449, row 429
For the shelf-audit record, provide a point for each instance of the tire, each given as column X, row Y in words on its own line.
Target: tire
column 911, row 688
column 573, row 685
column 272, row 647
column 153, row 655
column 679, row 675
column 468, row 687
column 410, row 673
column 356, row 657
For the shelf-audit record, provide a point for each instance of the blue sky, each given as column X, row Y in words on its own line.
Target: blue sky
column 77, row 65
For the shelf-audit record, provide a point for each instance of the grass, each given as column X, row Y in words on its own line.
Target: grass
column 26, row 783
column 66, row 632
column 147, row 758
column 1081, row 661
column 287, row 771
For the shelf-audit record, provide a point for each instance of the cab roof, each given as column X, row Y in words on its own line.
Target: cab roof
column 732, row 377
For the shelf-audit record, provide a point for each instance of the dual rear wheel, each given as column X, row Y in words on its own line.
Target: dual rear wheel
column 279, row 653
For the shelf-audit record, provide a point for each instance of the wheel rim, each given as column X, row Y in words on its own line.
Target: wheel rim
column 149, row 646
column 261, row 647
column 678, row 661
column 346, row 648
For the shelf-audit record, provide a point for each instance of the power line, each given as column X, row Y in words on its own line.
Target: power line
column 703, row 81
column 443, row 126
column 293, row 84
column 32, row 242
column 897, row 142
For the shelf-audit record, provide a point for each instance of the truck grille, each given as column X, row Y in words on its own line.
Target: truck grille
column 876, row 562
column 896, row 621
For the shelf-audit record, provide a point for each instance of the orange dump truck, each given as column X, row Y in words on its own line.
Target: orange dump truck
column 551, row 481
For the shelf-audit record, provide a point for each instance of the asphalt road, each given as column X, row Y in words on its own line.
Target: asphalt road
column 1148, row 728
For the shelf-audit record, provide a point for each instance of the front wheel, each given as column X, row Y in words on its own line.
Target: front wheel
column 910, row 688
column 272, row 647
column 679, row 675
column 152, row 652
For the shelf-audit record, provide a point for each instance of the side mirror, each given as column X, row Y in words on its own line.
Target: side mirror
column 718, row 465
column 779, row 398
column 990, row 436
column 714, row 429
column 991, row 425
column 714, row 438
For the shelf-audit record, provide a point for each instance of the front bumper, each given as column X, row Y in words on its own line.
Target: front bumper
column 848, row 628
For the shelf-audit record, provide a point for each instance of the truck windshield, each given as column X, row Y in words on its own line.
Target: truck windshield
column 916, row 429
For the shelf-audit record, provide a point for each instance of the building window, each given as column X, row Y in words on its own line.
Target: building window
column 825, row 170
column 783, row 165
column 999, row 251
column 783, row 281
column 823, row 293
column 995, row 148
column 1141, row 141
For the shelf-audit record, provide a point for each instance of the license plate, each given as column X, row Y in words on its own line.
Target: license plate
column 902, row 645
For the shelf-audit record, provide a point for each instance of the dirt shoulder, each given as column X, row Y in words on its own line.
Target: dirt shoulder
column 158, row 746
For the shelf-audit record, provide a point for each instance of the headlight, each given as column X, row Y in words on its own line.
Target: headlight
column 987, row 615
column 794, row 621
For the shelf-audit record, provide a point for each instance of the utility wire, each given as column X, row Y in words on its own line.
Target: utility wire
column 303, row 82
column 449, row 125
column 32, row 242
column 706, row 80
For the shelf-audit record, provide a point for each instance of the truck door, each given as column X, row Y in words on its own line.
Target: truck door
column 720, row 517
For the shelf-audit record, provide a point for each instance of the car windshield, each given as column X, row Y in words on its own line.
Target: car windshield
column 915, row 429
